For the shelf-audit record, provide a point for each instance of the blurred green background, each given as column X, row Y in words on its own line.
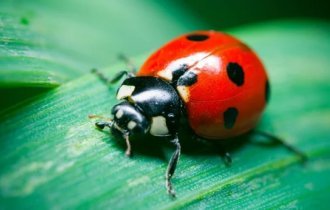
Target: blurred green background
column 53, row 158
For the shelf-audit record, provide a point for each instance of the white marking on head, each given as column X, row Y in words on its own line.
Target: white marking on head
column 165, row 74
column 158, row 126
column 131, row 125
column 119, row 113
column 125, row 91
column 183, row 92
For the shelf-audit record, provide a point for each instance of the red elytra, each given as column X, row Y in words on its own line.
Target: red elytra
column 230, row 93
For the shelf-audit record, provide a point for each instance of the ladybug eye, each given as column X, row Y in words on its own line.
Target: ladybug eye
column 197, row 37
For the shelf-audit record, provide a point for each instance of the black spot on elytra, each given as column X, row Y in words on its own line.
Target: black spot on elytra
column 235, row 73
column 187, row 79
column 230, row 116
column 267, row 91
column 177, row 73
column 197, row 37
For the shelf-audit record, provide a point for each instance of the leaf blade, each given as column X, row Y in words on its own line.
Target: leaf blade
column 70, row 159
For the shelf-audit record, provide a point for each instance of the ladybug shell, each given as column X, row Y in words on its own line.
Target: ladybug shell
column 224, row 85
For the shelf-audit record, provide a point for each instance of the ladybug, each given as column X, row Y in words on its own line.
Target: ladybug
column 211, row 78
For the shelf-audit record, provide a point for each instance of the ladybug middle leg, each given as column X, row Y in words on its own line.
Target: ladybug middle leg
column 130, row 66
column 172, row 165
column 227, row 158
column 120, row 75
column 220, row 148
column 223, row 151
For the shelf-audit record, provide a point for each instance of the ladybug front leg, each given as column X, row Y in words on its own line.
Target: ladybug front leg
column 115, row 78
column 128, row 151
column 120, row 75
column 172, row 165
column 128, row 73
column 130, row 66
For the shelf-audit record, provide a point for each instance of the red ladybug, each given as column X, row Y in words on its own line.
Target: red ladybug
column 217, row 81
column 222, row 82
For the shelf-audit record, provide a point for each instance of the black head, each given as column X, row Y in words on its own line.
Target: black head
column 128, row 119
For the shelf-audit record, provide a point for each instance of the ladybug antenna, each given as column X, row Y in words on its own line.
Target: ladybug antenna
column 94, row 116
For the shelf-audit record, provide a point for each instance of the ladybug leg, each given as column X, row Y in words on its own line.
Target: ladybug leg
column 102, row 125
column 120, row 75
column 220, row 149
column 130, row 73
column 225, row 155
column 291, row 148
column 125, row 135
column 128, row 151
column 172, row 166
column 130, row 65
column 114, row 79
column 227, row 158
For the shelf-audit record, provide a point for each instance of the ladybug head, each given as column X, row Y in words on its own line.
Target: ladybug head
column 129, row 120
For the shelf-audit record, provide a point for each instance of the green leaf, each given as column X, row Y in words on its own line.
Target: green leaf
column 28, row 59
column 53, row 157
column 43, row 43
column 95, row 32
